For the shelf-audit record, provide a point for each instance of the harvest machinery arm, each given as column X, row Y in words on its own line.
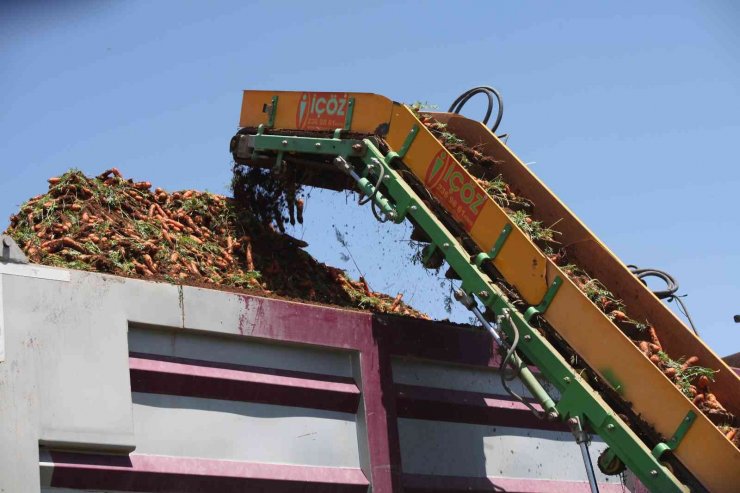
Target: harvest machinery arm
column 381, row 143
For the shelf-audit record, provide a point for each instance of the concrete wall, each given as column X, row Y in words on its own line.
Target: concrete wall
column 110, row 384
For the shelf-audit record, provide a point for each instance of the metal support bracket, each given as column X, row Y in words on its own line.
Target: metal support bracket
column 271, row 111
column 678, row 435
column 484, row 257
column 404, row 147
column 546, row 300
column 348, row 115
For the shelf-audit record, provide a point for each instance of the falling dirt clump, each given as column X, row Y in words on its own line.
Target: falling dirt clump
column 112, row 225
column 272, row 196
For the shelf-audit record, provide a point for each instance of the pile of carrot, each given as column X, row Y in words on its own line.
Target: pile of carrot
column 113, row 225
column 693, row 380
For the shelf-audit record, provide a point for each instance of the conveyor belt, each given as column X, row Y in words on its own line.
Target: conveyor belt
column 702, row 449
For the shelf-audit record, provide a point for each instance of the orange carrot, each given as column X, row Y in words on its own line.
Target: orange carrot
column 108, row 172
column 167, row 236
column 70, row 243
column 396, row 305
column 248, row 255
column 692, row 361
column 702, row 382
column 619, row 316
column 299, row 210
column 654, row 337
column 366, row 287
column 142, row 269
column 149, row 262
column 196, row 239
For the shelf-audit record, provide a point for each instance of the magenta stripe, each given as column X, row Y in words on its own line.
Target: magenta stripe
column 336, row 328
column 244, row 368
column 307, row 324
column 166, row 474
column 380, row 415
column 437, row 341
column 191, row 378
column 467, row 407
column 423, row 483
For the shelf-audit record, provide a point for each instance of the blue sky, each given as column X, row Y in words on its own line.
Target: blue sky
column 629, row 111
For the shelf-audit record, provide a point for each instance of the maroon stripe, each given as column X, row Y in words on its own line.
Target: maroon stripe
column 330, row 327
column 165, row 474
column 193, row 379
column 246, row 368
column 437, row 341
column 467, row 407
column 424, row 483
column 307, row 324
column 380, row 416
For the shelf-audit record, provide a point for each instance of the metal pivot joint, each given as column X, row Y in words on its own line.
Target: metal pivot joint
column 546, row 300
column 497, row 246
column 367, row 188
column 678, row 435
column 404, row 147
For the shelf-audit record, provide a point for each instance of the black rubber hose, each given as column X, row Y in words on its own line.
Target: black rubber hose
column 669, row 293
column 490, row 92
column 505, row 379
column 370, row 197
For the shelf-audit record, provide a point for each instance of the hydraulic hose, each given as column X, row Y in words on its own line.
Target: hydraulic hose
column 669, row 293
column 490, row 92
column 505, row 379
column 369, row 198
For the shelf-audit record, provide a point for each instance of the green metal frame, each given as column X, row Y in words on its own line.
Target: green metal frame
column 350, row 112
column 404, row 147
column 486, row 257
column 675, row 440
column 546, row 300
column 272, row 113
column 577, row 397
